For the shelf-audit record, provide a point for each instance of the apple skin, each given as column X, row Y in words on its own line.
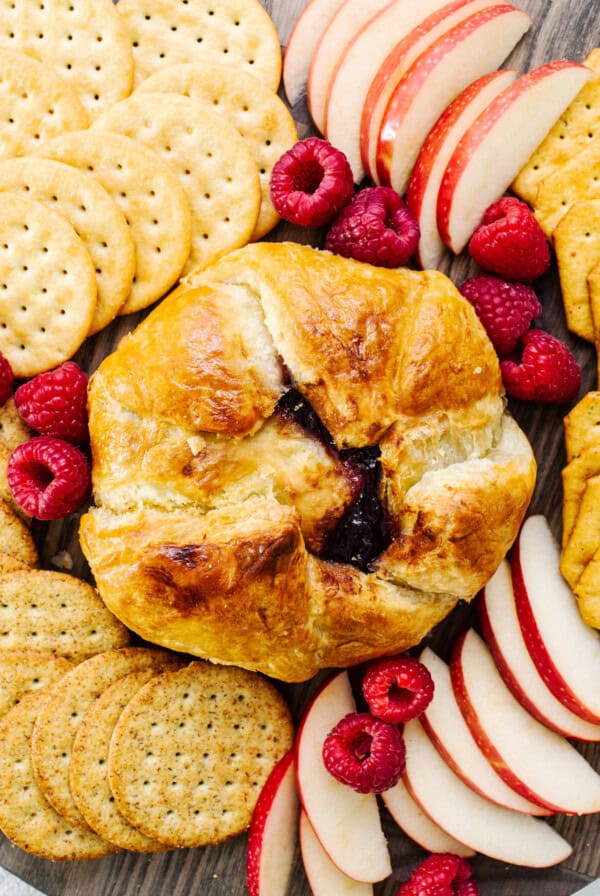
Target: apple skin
column 426, row 176
column 567, row 653
column 499, row 623
column 273, row 832
column 301, row 45
column 411, row 819
column 325, row 878
column 481, row 169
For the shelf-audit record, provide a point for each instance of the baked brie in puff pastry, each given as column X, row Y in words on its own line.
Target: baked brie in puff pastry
column 214, row 503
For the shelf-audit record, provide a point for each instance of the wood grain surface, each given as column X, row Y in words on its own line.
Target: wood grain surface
column 561, row 28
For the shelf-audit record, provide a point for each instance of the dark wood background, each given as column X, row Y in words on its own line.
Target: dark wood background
column 561, row 28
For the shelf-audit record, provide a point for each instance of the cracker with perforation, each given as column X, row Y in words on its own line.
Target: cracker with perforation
column 576, row 240
column 572, row 132
column 254, row 109
column 95, row 217
column 582, row 425
column 13, row 429
column 576, row 180
column 16, row 540
column 593, row 284
column 238, row 32
column 192, row 749
column 574, row 477
column 23, row 671
column 584, row 540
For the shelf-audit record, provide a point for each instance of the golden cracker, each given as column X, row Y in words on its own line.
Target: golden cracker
column 210, row 158
column 16, row 539
column 151, row 198
column 577, row 180
column 6, row 494
column 33, row 106
column 95, row 217
column 587, row 592
column 82, row 44
column 582, row 425
column 23, row 671
column 47, row 286
column 26, row 817
column 192, row 749
column 53, row 611
column 10, row 564
column 572, row 132
column 237, row 32
column 64, row 710
column 576, row 240
column 13, row 429
column 584, row 539
column 593, row 284
column 574, row 477
column 260, row 116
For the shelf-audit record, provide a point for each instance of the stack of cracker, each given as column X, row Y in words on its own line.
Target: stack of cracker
column 136, row 143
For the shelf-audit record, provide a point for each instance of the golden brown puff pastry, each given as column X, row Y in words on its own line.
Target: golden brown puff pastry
column 213, row 505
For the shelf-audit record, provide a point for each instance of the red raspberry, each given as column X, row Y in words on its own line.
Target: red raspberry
column 510, row 242
column 376, row 227
column 397, row 689
column 48, row 477
column 365, row 753
column 6, row 380
column 441, row 874
column 547, row 372
column 311, row 182
column 55, row 403
column 506, row 309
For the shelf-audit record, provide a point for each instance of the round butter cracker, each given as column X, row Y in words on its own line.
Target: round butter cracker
column 23, row 671
column 16, row 541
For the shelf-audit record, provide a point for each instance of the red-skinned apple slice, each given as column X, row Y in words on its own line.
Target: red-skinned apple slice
column 273, row 831
column 347, row 823
column 500, row 627
column 499, row 142
column 565, row 650
column 449, row 732
column 426, row 176
column 486, row 827
column 397, row 62
column 339, row 33
column 411, row 819
column 358, row 64
column 537, row 762
column 301, row 45
column 325, row 878
column 471, row 49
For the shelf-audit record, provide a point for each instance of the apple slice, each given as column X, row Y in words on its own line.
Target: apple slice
column 499, row 142
column 500, row 627
column 471, row 49
column 347, row 823
column 397, row 63
column 325, row 878
column 565, row 650
column 411, row 819
column 426, row 176
column 486, row 827
column 301, row 45
column 340, row 32
column 449, row 732
column 273, row 830
column 537, row 762
column 396, row 26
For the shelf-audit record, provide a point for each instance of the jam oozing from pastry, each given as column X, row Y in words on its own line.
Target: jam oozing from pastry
column 363, row 532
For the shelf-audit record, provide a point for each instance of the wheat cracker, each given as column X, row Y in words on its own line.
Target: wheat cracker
column 53, row 611
column 26, row 817
column 577, row 180
column 88, row 771
column 576, row 240
column 10, row 564
column 255, row 110
column 63, row 712
column 95, row 217
column 210, row 158
column 47, row 286
column 23, row 671
column 16, row 539
column 584, row 540
column 13, row 429
column 574, row 477
column 582, row 425
column 82, row 43
column 151, row 198
column 6, row 494
column 192, row 749
column 238, row 32
column 33, row 106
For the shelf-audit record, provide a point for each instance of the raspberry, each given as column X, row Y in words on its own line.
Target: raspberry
column 48, row 477
column 547, row 371
column 365, row 753
column 510, row 242
column 397, row 689
column 506, row 309
column 55, row 403
column 6, row 380
column 311, row 182
column 441, row 874
column 376, row 227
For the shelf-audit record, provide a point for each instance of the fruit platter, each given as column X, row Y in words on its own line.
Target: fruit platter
column 299, row 452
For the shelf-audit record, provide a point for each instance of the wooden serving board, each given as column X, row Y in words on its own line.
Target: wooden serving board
column 561, row 28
